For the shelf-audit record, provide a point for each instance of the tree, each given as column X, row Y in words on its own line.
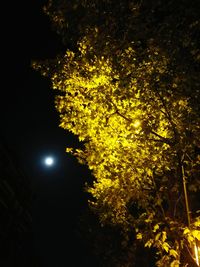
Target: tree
column 128, row 89
column 108, row 244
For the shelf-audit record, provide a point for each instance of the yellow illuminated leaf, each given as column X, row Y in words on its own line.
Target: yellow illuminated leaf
column 196, row 234
column 175, row 263
column 165, row 246
column 156, row 227
column 173, row 253
column 139, row 236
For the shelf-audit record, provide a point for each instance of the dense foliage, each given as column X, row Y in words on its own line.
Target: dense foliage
column 129, row 89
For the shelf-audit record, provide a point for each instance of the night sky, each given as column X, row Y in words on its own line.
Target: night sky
column 29, row 124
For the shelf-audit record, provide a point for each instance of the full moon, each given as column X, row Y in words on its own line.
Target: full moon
column 49, row 161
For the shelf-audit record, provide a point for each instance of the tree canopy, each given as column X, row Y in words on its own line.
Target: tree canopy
column 128, row 88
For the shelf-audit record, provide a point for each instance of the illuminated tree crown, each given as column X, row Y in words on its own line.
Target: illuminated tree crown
column 134, row 109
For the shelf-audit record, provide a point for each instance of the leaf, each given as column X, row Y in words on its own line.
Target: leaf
column 157, row 236
column 196, row 234
column 175, row 263
column 166, row 246
column 173, row 253
column 190, row 239
column 164, row 236
column 139, row 236
column 149, row 243
column 156, row 227
column 186, row 231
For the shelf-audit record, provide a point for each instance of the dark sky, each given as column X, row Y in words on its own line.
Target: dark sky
column 29, row 123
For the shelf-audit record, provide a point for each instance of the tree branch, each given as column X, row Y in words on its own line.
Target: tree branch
column 117, row 112
column 167, row 114
column 162, row 139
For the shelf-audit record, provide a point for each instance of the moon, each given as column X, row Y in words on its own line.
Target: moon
column 49, row 161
